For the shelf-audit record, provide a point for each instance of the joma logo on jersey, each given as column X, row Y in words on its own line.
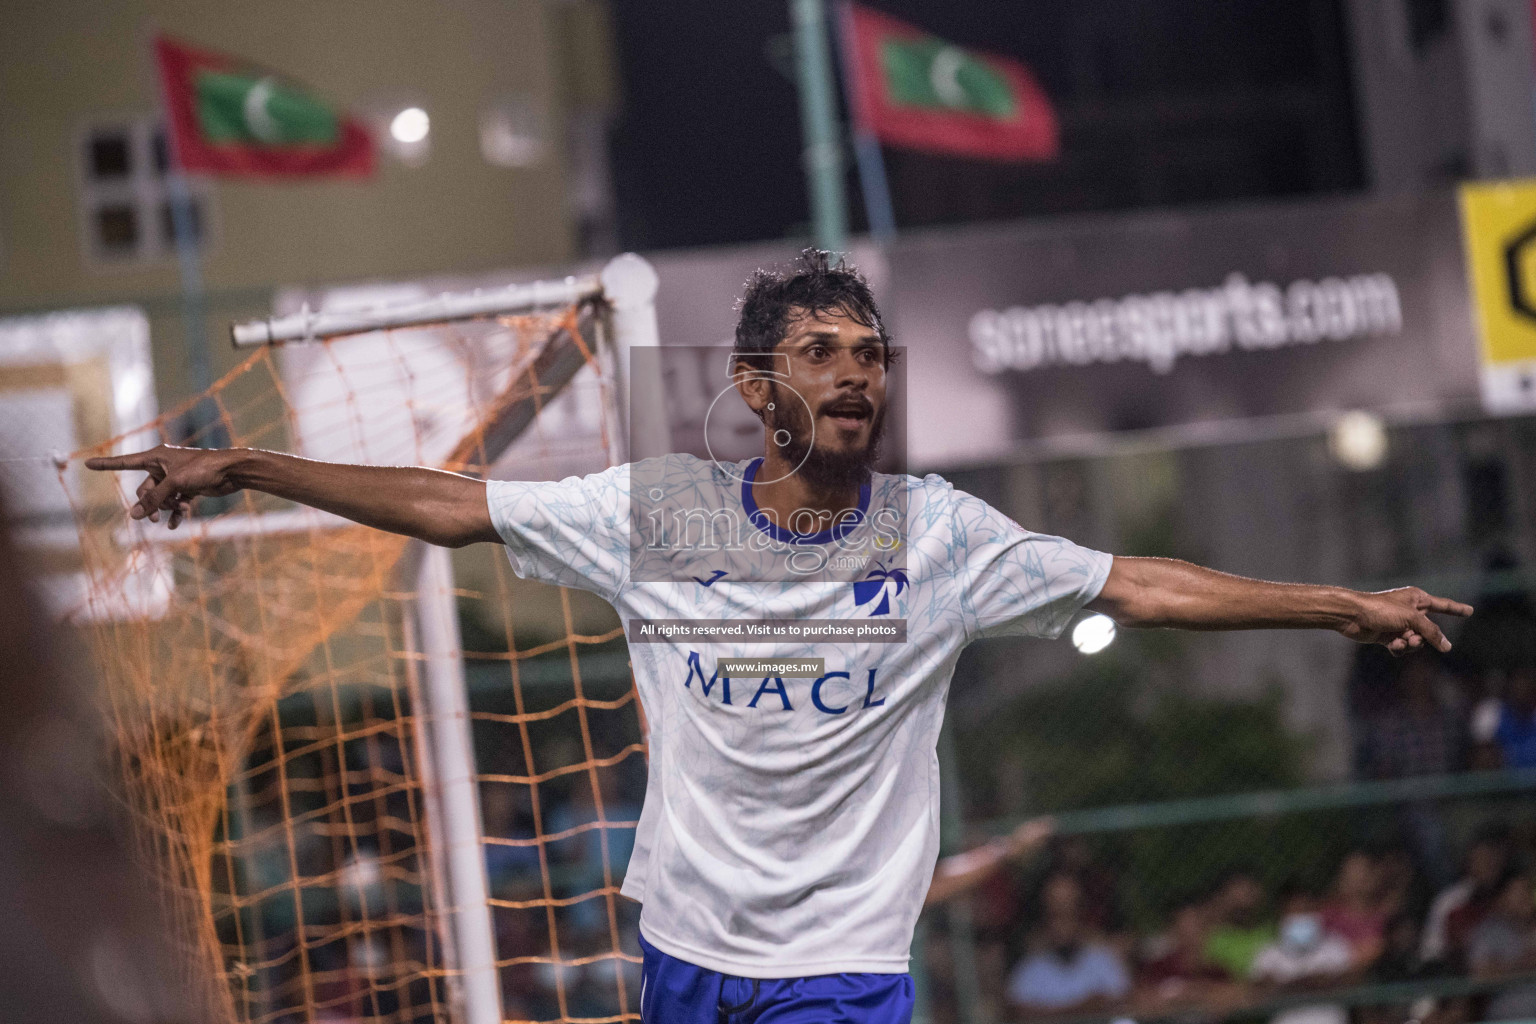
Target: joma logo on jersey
column 835, row 693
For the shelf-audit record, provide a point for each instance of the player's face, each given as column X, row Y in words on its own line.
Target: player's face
column 838, row 367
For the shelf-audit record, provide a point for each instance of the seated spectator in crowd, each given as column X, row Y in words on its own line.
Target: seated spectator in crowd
column 1069, row 966
column 597, row 822
column 1102, row 910
column 1177, row 969
column 1457, row 910
column 1403, row 887
column 1399, row 959
column 1413, row 731
column 1504, row 942
column 511, row 848
column 1399, row 962
column 985, row 877
column 1353, row 911
column 1408, row 717
column 1239, row 928
column 1509, row 724
column 1305, row 955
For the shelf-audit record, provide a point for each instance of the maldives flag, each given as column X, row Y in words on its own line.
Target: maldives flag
column 228, row 117
column 915, row 90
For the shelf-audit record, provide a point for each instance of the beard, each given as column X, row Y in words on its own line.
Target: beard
column 821, row 468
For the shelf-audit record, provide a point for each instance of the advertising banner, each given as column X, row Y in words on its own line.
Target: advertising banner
column 1048, row 333
column 1499, row 220
column 1031, row 333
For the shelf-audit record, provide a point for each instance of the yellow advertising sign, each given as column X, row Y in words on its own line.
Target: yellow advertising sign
column 1499, row 226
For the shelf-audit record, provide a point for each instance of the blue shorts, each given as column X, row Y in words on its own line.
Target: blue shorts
column 674, row 991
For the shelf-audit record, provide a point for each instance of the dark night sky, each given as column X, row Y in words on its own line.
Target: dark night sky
column 1161, row 102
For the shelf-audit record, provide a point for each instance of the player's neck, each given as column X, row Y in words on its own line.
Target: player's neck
column 781, row 493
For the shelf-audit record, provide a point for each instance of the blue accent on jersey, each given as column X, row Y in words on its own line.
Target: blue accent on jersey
column 874, row 585
column 674, row 991
column 758, row 518
column 713, row 578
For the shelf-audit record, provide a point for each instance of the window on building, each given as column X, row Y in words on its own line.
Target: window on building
column 127, row 201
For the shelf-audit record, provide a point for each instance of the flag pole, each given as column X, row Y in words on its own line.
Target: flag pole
column 873, row 183
column 823, row 155
column 194, row 301
column 203, row 430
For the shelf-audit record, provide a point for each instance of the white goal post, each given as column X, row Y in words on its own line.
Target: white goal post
column 621, row 299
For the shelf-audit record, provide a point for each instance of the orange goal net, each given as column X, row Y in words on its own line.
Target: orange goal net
column 379, row 782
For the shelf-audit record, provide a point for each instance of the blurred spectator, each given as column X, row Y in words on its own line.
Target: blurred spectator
column 1399, row 959
column 1409, row 720
column 1305, row 954
column 1504, row 942
column 959, row 874
column 1368, row 928
column 1402, row 887
column 1101, row 906
column 1353, row 911
column 507, row 813
column 1502, row 635
column 1069, row 967
column 1238, row 927
column 1177, row 969
column 597, row 846
column 983, row 873
column 1370, row 689
column 524, row 934
column 1414, row 730
column 1457, row 910
column 1399, row 962
column 998, row 903
column 587, row 975
column 1507, row 725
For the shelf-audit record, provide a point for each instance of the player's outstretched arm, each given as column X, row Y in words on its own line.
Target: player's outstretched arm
column 1169, row 592
column 429, row 504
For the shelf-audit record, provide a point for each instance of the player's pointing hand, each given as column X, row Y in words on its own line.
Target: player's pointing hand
column 1399, row 619
column 176, row 476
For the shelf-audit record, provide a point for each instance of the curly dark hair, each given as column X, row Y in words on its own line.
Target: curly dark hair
column 811, row 284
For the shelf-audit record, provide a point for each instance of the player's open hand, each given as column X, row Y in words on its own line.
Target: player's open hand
column 1399, row 619
column 176, row 476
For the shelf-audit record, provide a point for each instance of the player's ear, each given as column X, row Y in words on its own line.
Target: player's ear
column 753, row 384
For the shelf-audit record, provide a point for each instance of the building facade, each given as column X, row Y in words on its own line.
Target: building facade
column 85, row 215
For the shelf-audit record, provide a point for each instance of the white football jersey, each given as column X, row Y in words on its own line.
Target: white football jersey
column 791, row 825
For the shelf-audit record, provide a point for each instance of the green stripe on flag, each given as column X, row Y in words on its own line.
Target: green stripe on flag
column 248, row 108
column 932, row 73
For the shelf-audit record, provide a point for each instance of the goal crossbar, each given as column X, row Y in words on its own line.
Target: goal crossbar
column 548, row 369
column 311, row 325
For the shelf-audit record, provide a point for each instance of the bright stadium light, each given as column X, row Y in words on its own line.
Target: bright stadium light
column 1358, row 440
column 410, row 126
column 1093, row 634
